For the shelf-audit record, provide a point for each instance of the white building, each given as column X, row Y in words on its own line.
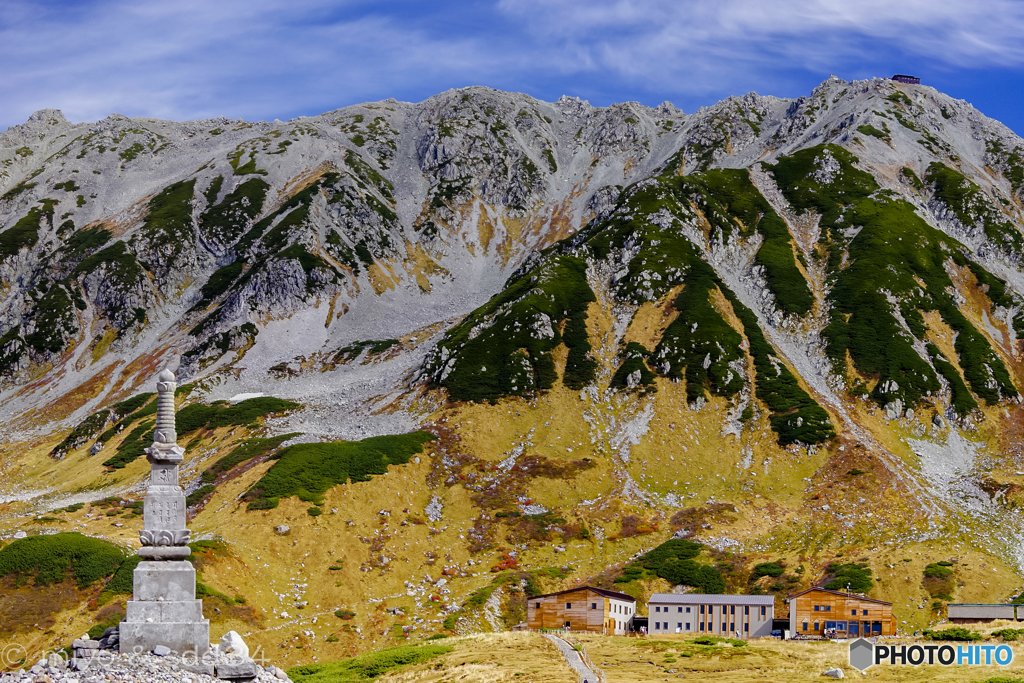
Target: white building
column 729, row 616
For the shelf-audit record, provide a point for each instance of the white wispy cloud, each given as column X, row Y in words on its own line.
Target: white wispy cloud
column 281, row 58
column 697, row 43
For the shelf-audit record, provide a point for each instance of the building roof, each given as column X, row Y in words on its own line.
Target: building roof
column 710, row 599
column 614, row 595
column 982, row 604
column 842, row 593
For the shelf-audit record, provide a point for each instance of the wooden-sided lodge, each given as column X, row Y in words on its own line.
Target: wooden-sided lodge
column 820, row 612
column 909, row 80
column 582, row 609
column 730, row 616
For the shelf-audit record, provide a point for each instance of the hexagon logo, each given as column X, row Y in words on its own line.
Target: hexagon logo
column 862, row 654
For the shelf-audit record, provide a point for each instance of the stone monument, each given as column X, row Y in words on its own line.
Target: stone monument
column 164, row 609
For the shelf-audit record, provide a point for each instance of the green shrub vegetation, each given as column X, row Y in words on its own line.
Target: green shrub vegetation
column 772, row 569
column 939, row 580
column 197, row 496
column 247, row 450
column 730, row 193
column 24, row 233
column 956, row 633
column 52, row 558
column 85, row 242
column 1008, row 635
column 893, row 252
column 855, row 577
column 971, row 207
column 309, row 470
column 194, row 417
column 673, row 561
column 512, row 354
column 122, row 582
column 169, row 221
column 867, row 129
column 227, row 221
column 368, row 666
column 85, row 430
column 219, row 283
column 635, row 360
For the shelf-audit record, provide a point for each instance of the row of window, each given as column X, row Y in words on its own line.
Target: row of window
column 663, row 626
column 828, row 608
column 711, row 609
column 618, row 609
column 852, row 627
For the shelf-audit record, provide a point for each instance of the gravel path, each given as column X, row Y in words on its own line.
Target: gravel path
column 573, row 659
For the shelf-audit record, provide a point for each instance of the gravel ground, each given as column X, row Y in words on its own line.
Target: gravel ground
column 129, row 668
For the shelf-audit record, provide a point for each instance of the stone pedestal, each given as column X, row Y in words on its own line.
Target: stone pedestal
column 163, row 609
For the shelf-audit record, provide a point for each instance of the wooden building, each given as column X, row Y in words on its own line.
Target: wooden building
column 904, row 78
column 583, row 609
column 822, row 612
column 979, row 613
column 730, row 616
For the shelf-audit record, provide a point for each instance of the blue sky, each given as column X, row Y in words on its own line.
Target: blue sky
column 267, row 59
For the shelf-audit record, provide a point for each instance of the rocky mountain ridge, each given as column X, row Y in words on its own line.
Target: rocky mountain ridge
column 804, row 311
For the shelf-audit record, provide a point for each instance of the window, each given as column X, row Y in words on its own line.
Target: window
column 828, row 608
column 746, row 627
column 829, row 625
column 762, row 610
column 732, row 627
column 680, row 610
column 805, row 627
column 816, row 626
column 732, row 609
column 568, row 605
column 723, row 627
column 568, row 625
column 679, row 625
column 864, row 612
column 657, row 608
column 538, row 605
column 746, row 609
column 593, row 605
column 687, row 626
column 702, row 626
column 817, row 607
column 876, row 627
column 702, row 609
column 687, row 610
column 853, row 612
column 657, row 626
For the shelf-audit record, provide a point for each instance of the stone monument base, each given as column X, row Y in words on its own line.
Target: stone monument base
column 165, row 611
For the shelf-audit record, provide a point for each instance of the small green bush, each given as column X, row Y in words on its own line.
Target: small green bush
column 855, row 577
column 309, row 470
column 957, row 633
column 772, row 569
column 51, row 558
column 368, row 666
column 1008, row 634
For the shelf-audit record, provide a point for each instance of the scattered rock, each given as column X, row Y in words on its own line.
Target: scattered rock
column 232, row 643
column 281, row 530
column 161, row 650
column 834, row 673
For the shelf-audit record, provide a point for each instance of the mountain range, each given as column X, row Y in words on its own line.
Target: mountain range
column 787, row 329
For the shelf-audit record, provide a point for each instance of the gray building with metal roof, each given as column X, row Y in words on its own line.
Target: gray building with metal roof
column 729, row 616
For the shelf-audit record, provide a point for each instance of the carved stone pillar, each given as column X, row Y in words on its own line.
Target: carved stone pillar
column 164, row 609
